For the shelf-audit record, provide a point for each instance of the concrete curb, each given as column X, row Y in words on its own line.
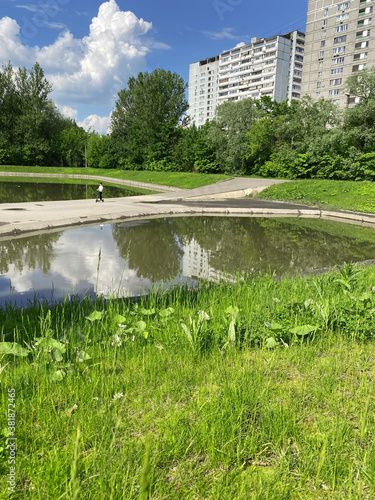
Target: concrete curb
column 23, row 218
column 142, row 211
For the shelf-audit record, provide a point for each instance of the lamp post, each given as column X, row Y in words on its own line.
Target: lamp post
column 85, row 153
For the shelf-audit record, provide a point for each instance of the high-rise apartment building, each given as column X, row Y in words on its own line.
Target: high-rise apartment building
column 338, row 43
column 203, row 83
column 265, row 67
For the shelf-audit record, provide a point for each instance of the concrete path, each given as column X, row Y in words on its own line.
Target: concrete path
column 222, row 198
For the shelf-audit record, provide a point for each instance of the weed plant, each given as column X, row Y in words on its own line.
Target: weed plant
column 258, row 389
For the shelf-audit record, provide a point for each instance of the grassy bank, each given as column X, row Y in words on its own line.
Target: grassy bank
column 184, row 180
column 342, row 195
column 59, row 180
column 262, row 389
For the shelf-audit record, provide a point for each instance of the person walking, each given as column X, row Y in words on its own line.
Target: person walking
column 100, row 193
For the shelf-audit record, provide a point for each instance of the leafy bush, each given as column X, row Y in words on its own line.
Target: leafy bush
column 207, row 167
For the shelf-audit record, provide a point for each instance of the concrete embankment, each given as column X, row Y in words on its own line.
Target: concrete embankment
column 223, row 198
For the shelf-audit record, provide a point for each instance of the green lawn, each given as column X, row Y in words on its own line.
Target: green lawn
column 260, row 389
column 342, row 195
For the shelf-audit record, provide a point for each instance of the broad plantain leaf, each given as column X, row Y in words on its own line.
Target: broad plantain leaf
column 303, row 330
column 13, row 349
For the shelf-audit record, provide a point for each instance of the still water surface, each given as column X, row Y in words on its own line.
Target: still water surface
column 134, row 256
column 19, row 192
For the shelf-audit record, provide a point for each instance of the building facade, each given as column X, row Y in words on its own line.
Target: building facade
column 338, row 43
column 203, row 85
column 265, row 67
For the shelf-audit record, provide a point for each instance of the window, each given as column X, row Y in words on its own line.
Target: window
column 358, row 67
column 342, row 27
column 324, row 32
column 361, row 34
column 338, row 50
column 365, row 22
column 342, row 6
column 322, row 43
column 339, row 39
column 360, row 56
column 336, row 101
column 342, row 17
column 320, row 74
column 318, row 85
column 337, row 71
column 321, row 54
column 334, row 92
column 338, row 60
column 361, row 45
column 324, row 22
column 336, row 81
column 367, row 10
column 326, row 12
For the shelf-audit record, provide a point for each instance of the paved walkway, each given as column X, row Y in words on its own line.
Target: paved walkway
column 223, row 198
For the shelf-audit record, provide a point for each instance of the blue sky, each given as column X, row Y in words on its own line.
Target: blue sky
column 89, row 48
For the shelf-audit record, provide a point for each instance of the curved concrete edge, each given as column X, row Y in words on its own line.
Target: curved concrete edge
column 139, row 211
column 241, row 193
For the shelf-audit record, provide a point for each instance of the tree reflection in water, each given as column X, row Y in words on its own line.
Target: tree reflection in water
column 154, row 249
column 34, row 252
column 140, row 254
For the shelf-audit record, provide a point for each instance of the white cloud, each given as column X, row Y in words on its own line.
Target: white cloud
column 224, row 34
column 31, row 8
column 90, row 70
column 11, row 49
column 94, row 122
column 69, row 112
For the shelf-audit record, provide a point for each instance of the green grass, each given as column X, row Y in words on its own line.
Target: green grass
column 260, row 389
column 342, row 195
column 184, row 180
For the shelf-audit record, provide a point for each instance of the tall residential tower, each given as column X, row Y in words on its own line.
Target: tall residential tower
column 338, row 43
column 265, row 67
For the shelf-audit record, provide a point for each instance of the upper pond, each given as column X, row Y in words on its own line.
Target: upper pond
column 128, row 258
column 18, row 192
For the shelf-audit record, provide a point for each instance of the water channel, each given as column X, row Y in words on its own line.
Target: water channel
column 18, row 192
column 128, row 258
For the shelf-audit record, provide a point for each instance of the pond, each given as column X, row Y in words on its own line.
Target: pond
column 19, row 192
column 127, row 259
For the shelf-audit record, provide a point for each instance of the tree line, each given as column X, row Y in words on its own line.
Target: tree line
column 150, row 130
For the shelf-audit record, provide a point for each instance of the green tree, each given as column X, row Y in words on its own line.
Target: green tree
column 359, row 121
column 146, row 118
column 192, row 151
column 227, row 133
column 98, row 151
column 361, row 84
column 69, row 144
column 10, row 109
column 285, row 131
column 35, row 123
